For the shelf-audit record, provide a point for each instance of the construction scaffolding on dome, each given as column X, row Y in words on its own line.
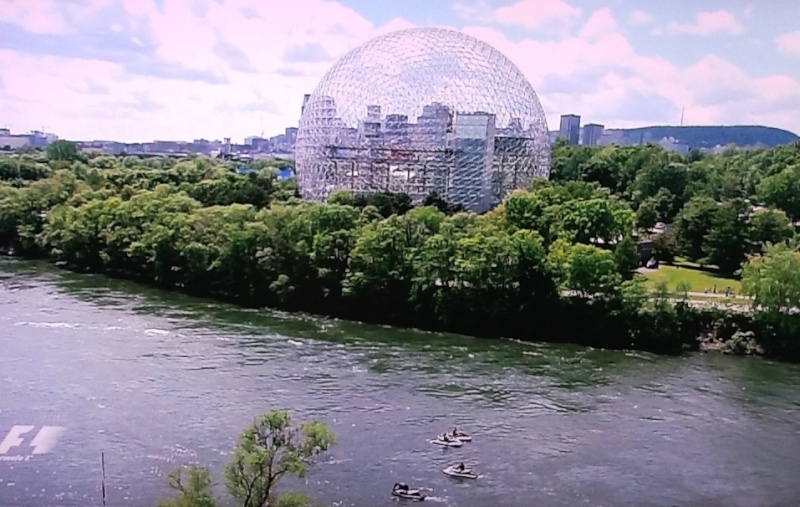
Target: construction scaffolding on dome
column 421, row 111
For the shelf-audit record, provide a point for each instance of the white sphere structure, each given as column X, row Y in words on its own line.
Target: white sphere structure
column 418, row 111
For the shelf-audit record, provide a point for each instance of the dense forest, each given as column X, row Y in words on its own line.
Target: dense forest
column 555, row 262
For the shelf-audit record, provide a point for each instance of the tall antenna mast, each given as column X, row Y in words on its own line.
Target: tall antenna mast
column 682, row 110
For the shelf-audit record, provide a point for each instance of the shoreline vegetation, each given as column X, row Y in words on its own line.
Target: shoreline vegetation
column 556, row 262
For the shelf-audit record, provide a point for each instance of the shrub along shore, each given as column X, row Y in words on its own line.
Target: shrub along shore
column 553, row 263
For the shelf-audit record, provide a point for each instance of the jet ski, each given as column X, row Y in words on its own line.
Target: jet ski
column 454, row 471
column 461, row 435
column 447, row 442
column 401, row 490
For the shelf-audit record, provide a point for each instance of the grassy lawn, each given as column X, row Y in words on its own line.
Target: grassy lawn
column 698, row 279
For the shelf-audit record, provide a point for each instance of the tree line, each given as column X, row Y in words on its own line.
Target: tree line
column 554, row 262
column 720, row 208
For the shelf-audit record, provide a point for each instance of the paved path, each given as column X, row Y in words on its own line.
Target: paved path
column 717, row 295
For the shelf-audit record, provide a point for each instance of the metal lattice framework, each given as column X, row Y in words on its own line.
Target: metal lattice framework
column 423, row 110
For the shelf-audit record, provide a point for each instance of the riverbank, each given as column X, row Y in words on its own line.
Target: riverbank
column 529, row 270
column 662, row 326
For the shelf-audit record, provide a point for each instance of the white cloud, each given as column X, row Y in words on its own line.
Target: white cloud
column 708, row 23
column 789, row 43
column 473, row 11
column 599, row 74
column 48, row 17
column 640, row 18
column 536, row 14
column 219, row 71
column 188, row 88
column 599, row 25
column 34, row 16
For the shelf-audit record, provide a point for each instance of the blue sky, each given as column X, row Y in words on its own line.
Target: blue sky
column 135, row 70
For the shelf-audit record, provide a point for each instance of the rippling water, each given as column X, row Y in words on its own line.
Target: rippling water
column 156, row 380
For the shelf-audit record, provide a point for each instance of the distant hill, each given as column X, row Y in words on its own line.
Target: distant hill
column 711, row 136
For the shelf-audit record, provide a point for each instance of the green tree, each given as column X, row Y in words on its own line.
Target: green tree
column 590, row 220
column 387, row 203
column 693, row 224
column 782, row 191
column 62, row 150
column 585, row 269
column 647, row 214
column 229, row 188
column 726, row 242
column 433, row 199
column 525, row 210
column 567, row 161
column 269, row 450
column 19, row 170
column 381, row 269
column 626, row 255
column 331, row 236
column 475, row 287
column 221, row 248
column 592, row 270
column 665, row 246
column 342, row 196
column 666, row 205
column 769, row 226
column 774, row 279
column 670, row 178
column 194, row 489
column 604, row 166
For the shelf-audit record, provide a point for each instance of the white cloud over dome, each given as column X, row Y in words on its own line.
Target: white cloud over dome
column 133, row 70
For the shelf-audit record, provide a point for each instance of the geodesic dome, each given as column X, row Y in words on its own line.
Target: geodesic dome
column 418, row 111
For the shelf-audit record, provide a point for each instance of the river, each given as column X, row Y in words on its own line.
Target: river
column 155, row 380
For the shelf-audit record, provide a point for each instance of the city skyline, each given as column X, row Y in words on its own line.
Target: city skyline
column 122, row 70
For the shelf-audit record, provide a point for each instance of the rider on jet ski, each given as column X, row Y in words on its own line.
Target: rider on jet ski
column 399, row 486
column 460, row 467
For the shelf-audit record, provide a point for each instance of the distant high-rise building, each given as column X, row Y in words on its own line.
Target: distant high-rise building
column 570, row 128
column 256, row 142
column 592, row 133
column 305, row 101
column 471, row 177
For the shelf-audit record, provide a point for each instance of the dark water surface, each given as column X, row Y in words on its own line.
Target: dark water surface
column 156, row 380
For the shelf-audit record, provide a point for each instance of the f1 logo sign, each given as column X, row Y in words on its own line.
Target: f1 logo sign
column 42, row 443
